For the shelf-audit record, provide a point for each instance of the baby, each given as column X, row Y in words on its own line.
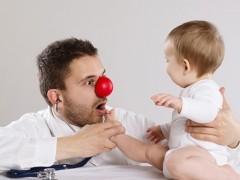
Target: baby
column 193, row 50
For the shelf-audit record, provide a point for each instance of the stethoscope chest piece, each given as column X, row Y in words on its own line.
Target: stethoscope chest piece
column 47, row 174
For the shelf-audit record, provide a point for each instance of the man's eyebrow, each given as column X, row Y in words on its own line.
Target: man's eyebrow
column 92, row 76
column 86, row 78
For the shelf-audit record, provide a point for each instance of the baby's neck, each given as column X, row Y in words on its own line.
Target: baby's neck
column 194, row 80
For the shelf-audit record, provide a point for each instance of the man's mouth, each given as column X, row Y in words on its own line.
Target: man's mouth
column 101, row 108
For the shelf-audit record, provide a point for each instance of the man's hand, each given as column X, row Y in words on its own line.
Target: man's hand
column 89, row 141
column 223, row 130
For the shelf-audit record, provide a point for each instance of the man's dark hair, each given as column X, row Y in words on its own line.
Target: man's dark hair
column 54, row 61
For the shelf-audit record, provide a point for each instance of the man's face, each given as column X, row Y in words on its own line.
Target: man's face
column 80, row 105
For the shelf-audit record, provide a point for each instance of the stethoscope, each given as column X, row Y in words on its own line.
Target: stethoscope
column 103, row 88
column 56, row 114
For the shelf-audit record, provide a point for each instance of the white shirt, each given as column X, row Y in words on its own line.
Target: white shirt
column 31, row 141
column 201, row 102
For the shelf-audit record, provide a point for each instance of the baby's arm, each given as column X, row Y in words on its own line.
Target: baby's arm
column 168, row 100
column 200, row 103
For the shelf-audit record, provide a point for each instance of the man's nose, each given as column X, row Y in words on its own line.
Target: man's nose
column 103, row 87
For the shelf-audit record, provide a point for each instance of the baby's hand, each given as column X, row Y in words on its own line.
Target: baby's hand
column 155, row 134
column 168, row 100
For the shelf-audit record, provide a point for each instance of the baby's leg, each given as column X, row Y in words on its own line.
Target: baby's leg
column 196, row 163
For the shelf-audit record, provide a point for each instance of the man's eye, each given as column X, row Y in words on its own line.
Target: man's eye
column 88, row 83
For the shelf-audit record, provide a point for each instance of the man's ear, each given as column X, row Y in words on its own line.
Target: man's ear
column 187, row 66
column 54, row 96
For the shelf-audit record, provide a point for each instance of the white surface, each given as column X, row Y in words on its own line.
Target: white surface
column 107, row 172
column 117, row 172
column 129, row 35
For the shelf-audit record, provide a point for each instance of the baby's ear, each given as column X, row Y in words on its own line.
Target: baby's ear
column 187, row 66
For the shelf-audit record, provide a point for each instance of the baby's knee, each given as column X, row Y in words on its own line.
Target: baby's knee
column 174, row 166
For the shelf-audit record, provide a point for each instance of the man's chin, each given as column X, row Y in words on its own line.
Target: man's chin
column 98, row 119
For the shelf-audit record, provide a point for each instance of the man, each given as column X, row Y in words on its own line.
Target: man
column 71, row 128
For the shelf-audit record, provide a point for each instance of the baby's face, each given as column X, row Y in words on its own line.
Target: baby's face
column 179, row 69
column 175, row 68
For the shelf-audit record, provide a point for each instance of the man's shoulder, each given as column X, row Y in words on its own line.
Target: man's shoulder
column 32, row 124
column 31, row 117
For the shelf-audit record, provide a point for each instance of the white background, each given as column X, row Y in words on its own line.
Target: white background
column 129, row 35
